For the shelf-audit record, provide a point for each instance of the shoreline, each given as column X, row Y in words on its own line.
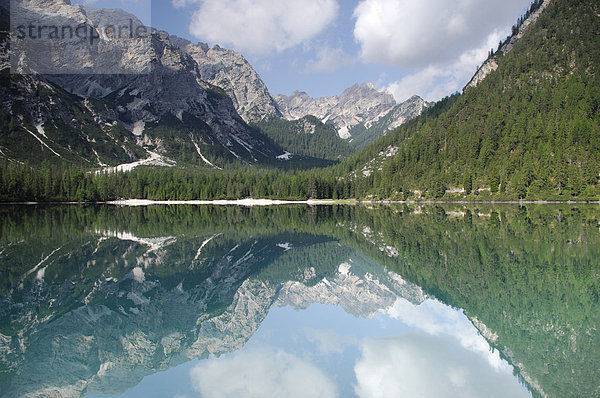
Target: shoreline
column 490, row 202
column 249, row 202
column 238, row 202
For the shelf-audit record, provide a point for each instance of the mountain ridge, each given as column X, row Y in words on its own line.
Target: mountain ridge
column 396, row 117
column 529, row 130
column 360, row 114
column 154, row 96
column 491, row 64
column 358, row 105
column 230, row 71
column 161, row 104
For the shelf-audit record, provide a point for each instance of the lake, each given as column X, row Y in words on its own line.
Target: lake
column 300, row 301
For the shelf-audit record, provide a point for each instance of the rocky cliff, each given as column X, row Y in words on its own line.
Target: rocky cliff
column 230, row 71
column 356, row 108
column 141, row 91
column 396, row 117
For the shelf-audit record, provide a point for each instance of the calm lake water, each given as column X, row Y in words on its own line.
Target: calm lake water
column 299, row 301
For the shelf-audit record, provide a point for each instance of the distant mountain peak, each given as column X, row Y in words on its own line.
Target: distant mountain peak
column 355, row 112
column 397, row 116
column 364, row 87
column 357, row 106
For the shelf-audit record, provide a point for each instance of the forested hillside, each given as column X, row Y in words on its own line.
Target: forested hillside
column 531, row 129
column 306, row 136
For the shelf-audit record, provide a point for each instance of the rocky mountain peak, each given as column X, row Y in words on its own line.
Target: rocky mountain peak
column 365, row 90
column 49, row 2
column 230, row 71
column 397, row 116
column 405, row 111
column 356, row 108
column 102, row 52
column 128, row 88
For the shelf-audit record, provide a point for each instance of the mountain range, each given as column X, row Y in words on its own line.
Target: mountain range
column 157, row 104
column 526, row 127
column 176, row 103
column 354, row 112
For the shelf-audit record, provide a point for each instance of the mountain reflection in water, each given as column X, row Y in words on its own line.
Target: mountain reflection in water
column 299, row 301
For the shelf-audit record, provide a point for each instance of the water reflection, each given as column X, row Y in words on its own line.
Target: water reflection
column 349, row 356
column 323, row 351
column 184, row 301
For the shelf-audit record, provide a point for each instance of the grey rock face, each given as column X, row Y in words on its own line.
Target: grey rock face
column 357, row 107
column 46, row 123
column 399, row 115
column 361, row 114
column 231, row 72
column 404, row 112
column 55, row 37
column 488, row 67
column 144, row 85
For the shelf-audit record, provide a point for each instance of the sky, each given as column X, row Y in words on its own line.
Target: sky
column 428, row 47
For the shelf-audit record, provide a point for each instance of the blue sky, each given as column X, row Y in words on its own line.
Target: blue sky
column 428, row 47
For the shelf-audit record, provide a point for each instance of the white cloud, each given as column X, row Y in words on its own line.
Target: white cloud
column 420, row 83
column 181, row 3
column 443, row 40
column 417, row 34
column 426, row 366
column 184, row 3
column 327, row 60
column 260, row 26
column 436, row 81
column 436, row 318
column 260, row 372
